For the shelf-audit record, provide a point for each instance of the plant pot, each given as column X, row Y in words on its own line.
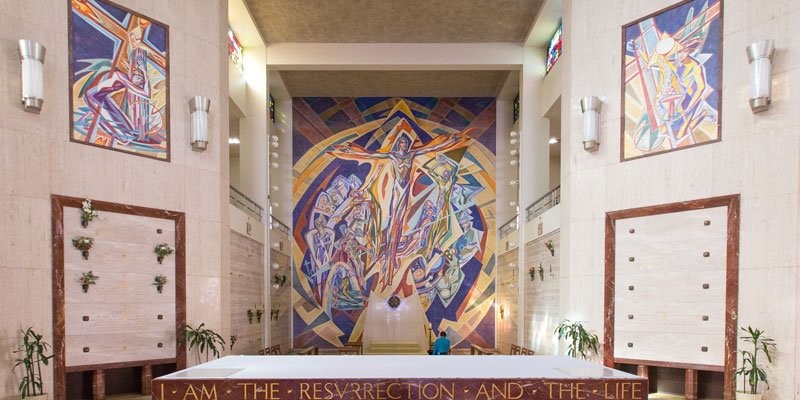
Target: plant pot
column 747, row 396
column 85, row 224
column 85, row 254
column 160, row 288
column 85, row 287
column 160, row 259
column 45, row 396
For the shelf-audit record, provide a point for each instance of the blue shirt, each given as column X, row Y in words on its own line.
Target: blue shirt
column 441, row 345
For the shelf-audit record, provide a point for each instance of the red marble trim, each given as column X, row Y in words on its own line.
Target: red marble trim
column 59, row 340
column 732, row 202
column 141, row 363
column 634, row 388
column 651, row 363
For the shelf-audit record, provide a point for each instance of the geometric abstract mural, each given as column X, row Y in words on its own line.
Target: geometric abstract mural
column 393, row 197
column 672, row 79
column 119, row 79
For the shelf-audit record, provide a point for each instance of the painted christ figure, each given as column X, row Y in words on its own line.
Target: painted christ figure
column 401, row 156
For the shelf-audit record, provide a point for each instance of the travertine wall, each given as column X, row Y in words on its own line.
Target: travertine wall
column 247, row 281
column 542, row 294
column 508, row 297
column 757, row 157
column 37, row 159
column 280, row 296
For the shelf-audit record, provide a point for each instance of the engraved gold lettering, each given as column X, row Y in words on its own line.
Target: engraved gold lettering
column 245, row 388
column 510, row 395
column 435, row 394
column 368, row 390
column 191, row 390
column 328, row 390
column 482, row 391
column 212, row 395
column 580, row 391
column 550, row 386
column 562, row 390
column 450, row 393
column 637, row 390
column 389, row 391
column 356, row 388
column 304, row 390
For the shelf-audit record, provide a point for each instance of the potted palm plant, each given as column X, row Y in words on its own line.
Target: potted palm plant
column 204, row 341
column 750, row 371
column 580, row 340
column 159, row 281
column 33, row 353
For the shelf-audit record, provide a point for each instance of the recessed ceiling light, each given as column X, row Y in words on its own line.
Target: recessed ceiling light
column 554, row 140
column 233, row 140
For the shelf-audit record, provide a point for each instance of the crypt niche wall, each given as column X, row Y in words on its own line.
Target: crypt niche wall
column 393, row 197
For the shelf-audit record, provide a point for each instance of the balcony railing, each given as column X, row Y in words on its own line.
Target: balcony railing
column 544, row 203
column 244, row 203
column 279, row 226
column 509, row 227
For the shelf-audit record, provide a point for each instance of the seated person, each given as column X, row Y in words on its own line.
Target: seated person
column 441, row 345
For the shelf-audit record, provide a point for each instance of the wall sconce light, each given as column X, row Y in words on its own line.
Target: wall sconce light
column 275, row 205
column 273, row 138
column 198, row 107
column 513, row 134
column 512, row 203
column 514, row 161
column 760, row 56
column 590, row 107
column 513, row 182
column 234, row 140
column 514, row 152
column 514, row 142
column 502, row 312
column 274, row 154
column 273, row 165
column 275, row 266
column 32, row 56
column 274, row 145
column 274, row 188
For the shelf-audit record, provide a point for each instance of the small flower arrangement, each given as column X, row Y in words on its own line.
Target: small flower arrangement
column 162, row 250
column 250, row 314
column 159, row 281
column 541, row 273
column 234, row 338
column 87, row 212
column 532, row 273
column 278, row 281
column 83, row 244
column 550, row 246
column 88, row 278
column 259, row 313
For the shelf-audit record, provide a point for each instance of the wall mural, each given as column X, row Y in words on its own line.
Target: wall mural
column 393, row 197
column 672, row 79
column 119, row 79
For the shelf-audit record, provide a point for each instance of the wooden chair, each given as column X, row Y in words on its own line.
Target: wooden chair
column 515, row 350
column 349, row 350
column 526, row 351
column 264, row 352
column 357, row 345
column 275, row 350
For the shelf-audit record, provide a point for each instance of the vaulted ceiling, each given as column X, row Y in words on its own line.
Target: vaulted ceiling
column 394, row 21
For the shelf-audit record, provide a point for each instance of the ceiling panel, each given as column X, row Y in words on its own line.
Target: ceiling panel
column 386, row 21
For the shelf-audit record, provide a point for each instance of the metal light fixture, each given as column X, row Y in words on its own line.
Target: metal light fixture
column 274, row 188
column 274, row 145
column 273, row 165
column 760, row 56
column 198, row 107
column 590, row 107
column 514, row 142
column 514, row 152
column 514, row 161
column 32, row 56
column 513, row 134
column 274, row 155
column 513, row 182
column 234, row 140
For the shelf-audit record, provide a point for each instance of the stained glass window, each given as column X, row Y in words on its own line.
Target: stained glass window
column 271, row 108
column 516, row 108
column 235, row 50
column 554, row 49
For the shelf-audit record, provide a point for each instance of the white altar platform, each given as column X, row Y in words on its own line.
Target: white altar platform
column 380, row 377
column 398, row 366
